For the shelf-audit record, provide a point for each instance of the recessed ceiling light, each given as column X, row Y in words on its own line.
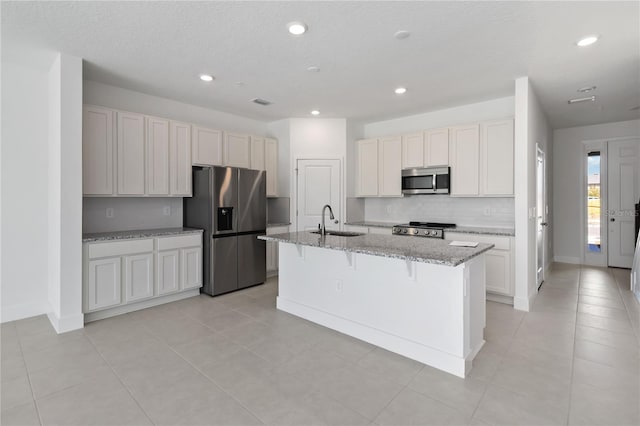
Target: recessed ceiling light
column 313, row 68
column 401, row 90
column 315, row 112
column 587, row 41
column 587, row 89
column 402, row 34
column 240, row 83
column 297, row 28
column 579, row 100
column 206, row 77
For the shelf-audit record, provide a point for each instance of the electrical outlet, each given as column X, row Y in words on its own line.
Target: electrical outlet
column 166, row 210
column 339, row 285
column 487, row 211
column 109, row 212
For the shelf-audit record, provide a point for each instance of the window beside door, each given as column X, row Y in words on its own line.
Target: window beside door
column 594, row 216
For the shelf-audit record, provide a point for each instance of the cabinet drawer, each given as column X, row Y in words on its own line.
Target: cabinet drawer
column 120, row 248
column 500, row 243
column 170, row 243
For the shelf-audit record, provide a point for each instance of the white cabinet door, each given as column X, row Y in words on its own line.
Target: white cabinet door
column 497, row 158
column 97, row 151
column 271, row 166
column 168, row 271
column 390, row 167
column 179, row 158
column 157, row 156
column 130, row 154
column 367, row 182
column 465, row 160
column 191, row 268
column 104, row 285
column 498, row 271
column 236, row 150
column 138, row 276
column 257, row 153
column 436, row 147
column 413, row 150
column 206, row 146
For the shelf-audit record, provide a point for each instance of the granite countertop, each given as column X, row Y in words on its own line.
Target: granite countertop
column 273, row 224
column 138, row 233
column 426, row 250
column 485, row 230
column 373, row 224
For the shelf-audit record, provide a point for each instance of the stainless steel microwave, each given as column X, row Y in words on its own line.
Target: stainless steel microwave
column 429, row 180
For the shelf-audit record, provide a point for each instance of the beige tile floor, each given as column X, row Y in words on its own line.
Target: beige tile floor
column 236, row 360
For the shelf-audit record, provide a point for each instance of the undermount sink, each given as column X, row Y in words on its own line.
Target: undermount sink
column 340, row 233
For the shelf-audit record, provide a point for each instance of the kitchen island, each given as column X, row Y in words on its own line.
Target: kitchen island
column 421, row 298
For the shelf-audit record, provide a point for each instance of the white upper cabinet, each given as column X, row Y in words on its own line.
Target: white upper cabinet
column 390, row 166
column 465, row 160
column 257, row 153
column 98, row 150
column 413, row 150
column 179, row 158
column 206, row 146
column 236, row 150
column 157, row 156
column 497, row 158
column 271, row 166
column 436, row 147
column 367, row 177
column 131, row 154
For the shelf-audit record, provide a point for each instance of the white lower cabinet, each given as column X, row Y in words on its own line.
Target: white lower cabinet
column 125, row 272
column 103, row 286
column 138, row 277
column 499, row 261
column 168, row 268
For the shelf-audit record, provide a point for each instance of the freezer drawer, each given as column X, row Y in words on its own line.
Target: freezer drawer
column 224, row 265
column 252, row 260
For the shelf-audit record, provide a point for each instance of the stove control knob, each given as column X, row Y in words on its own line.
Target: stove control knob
column 415, row 231
column 426, row 232
column 434, row 232
column 404, row 231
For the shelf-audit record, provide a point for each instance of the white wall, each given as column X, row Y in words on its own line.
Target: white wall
column 118, row 98
column 488, row 110
column 316, row 138
column 65, row 194
column 24, row 190
column 567, row 170
column 531, row 128
column 130, row 213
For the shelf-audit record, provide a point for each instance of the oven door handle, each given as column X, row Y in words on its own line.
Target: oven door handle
column 433, row 181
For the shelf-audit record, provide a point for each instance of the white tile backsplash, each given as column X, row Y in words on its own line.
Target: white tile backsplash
column 442, row 208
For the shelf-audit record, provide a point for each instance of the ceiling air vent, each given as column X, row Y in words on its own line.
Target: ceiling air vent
column 261, row 102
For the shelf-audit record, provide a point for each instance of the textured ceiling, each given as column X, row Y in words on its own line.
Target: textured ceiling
column 458, row 52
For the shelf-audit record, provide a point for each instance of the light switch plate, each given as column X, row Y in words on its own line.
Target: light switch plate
column 166, row 210
column 109, row 212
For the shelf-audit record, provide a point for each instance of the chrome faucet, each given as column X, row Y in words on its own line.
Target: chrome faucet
column 323, row 230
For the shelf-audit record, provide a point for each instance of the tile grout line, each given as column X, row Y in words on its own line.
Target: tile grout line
column 573, row 352
column 33, row 397
column 120, row 380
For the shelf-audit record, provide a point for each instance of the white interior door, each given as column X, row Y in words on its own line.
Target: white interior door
column 318, row 183
column 624, row 190
column 541, row 216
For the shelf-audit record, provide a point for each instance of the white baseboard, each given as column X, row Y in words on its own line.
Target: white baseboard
column 567, row 259
column 507, row 300
column 67, row 323
column 525, row 303
column 26, row 310
column 123, row 309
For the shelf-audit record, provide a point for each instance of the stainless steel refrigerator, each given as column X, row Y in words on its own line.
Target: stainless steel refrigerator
column 230, row 204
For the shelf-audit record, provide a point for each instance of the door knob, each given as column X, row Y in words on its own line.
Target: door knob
column 335, row 221
column 544, row 224
column 613, row 219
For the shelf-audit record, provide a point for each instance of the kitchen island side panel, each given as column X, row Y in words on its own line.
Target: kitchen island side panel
column 426, row 312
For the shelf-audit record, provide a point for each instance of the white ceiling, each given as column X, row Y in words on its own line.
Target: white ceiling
column 458, row 52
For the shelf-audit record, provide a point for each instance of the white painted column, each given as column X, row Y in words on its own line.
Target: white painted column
column 65, row 194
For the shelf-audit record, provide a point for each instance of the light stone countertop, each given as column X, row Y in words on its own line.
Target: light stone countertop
column 426, row 250
column 139, row 233
column 484, row 230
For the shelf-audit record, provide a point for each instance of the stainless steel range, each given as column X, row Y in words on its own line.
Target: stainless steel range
column 423, row 229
